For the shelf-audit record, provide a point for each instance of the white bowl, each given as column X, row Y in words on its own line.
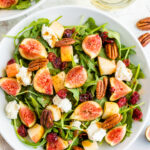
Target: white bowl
column 71, row 16
column 11, row 14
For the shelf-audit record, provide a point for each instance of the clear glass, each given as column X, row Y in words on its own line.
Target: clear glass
column 111, row 4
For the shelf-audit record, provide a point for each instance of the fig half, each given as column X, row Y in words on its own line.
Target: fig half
column 92, row 45
column 26, row 115
column 120, row 89
column 115, row 135
column 42, row 81
column 10, row 86
column 7, row 3
column 87, row 111
column 76, row 77
column 32, row 49
column 60, row 144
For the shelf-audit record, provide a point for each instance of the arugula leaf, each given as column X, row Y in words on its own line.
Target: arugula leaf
column 52, row 70
column 75, row 93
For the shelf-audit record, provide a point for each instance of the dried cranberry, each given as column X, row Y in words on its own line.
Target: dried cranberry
column 11, row 61
column 134, row 98
column 137, row 114
column 62, row 93
column 57, row 62
column 122, row 102
column 126, row 62
column 85, row 97
column 64, row 65
column 68, row 33
column 52, row 137
column 51, row 57
column 83, row 135
column 105, row 39
column 22, row 131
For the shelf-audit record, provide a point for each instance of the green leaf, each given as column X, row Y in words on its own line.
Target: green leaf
column 75, row 93
column 52, row 70
column 43, row 100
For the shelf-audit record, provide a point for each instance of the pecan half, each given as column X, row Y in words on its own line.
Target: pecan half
column 143, row 24
column 65, row 42
column 144, row 39
column 46, row 119
column 111, row 50
column 37, row 64
column 112, row 121
column 101, row 88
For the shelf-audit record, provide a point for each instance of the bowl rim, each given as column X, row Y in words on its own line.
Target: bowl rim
column 23, row 12
column 109, row 17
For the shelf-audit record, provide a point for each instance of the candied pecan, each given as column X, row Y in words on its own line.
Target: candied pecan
column 46, row 119
column 144, row 39
column 101, row 88
column 37, row 64
column 65, row 42
column 111, row 50
column 111, row 121
column 144, row 24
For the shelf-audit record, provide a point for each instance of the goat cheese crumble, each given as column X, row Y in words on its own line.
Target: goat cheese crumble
column 24, row 76
column 64, row 104
column 12, row 109
column 95, row 132
column 76, row 124
column 49, row 36
column 122, row 72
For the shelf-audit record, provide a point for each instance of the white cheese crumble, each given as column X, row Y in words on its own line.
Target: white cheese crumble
column 12, row 109
column 24, row 76
column 49, row 36
column 76, row 59
column 95, row 133
column 64, row 104
column 122, row 72
column 76, row 124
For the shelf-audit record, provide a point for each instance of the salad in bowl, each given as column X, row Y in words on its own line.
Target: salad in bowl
column 71, row 87
column 16, row 4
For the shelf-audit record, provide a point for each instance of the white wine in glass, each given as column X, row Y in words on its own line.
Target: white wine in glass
column 111, row 4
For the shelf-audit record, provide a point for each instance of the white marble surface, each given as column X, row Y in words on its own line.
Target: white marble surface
column 128, row 16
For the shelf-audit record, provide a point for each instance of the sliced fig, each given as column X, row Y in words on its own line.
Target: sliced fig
column 92, row 45
column 26, row 115
column 7, row 3
column 147, row 133
column 42, row 81
column 10, row 86
column 12, row 70
column 60, row 144
column 120, row 89
column 87, row 111
column 115, row 135
column 76, row 77
column 32, row 49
